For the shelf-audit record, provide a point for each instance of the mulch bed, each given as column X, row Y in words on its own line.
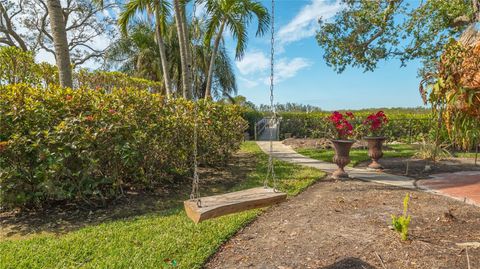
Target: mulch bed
column 346, row 225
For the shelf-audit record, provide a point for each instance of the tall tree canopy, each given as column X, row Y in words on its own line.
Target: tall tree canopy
column 365, row 32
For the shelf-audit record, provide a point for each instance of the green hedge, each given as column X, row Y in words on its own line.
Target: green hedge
column 404, row 127
column 63, row 144
column 252, row 117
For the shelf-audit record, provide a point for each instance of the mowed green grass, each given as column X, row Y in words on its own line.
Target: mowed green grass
column 359, row 155
column 167, row 239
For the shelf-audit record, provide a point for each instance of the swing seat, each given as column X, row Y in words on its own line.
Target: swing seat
column 224, row 204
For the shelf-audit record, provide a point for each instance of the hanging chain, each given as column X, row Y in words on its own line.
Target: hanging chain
column 273, row 120
column 195, row 195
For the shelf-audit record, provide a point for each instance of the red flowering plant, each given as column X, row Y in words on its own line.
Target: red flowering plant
column 375, row 123
column 342, row 124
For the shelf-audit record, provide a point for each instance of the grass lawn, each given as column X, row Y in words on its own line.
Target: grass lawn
column 164, row 239
column 466, row 154
column 359, row 155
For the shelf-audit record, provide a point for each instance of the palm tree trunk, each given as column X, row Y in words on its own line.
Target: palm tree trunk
column 62, row 53
column 163, row 57
column 208, row 90
column 179, row 18
column 188, row 53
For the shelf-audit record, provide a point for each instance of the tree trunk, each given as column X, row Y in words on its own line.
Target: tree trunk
column 62, row 54
column 179, row 18
column 208, row 90
column 188, row 52
column 163, row 57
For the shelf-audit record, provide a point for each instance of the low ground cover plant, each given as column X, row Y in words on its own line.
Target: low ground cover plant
column 89, row 145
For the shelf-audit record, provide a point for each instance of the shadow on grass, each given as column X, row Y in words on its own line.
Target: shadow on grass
column 163, row 201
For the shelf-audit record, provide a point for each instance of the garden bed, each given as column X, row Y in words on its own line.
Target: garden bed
column 346, row 225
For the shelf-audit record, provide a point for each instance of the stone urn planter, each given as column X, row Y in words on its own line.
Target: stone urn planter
column 375, row 151
column 341, row 157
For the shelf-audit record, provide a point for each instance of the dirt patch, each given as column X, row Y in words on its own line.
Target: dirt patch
column 64, row 218
column 419, row 169
column 345, row 225
column 321, row 143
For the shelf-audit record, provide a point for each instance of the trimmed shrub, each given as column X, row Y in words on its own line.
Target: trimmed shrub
column 107, row 81
column 85, row 145
column 252, row 117
column 400, row 127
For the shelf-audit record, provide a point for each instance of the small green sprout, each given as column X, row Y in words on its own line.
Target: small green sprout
column 401, row 223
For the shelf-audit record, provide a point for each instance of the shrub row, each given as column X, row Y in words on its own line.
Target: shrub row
column 252, row 117
column 62, row 144
column 401, row 127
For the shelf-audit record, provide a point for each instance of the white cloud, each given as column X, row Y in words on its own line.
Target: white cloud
column 253, row 62
column 255, row 69
column 285, row 68
column 305, row 23
column 248, row 83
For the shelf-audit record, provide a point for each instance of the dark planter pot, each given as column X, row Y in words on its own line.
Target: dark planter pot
column 375, row 151
column 341, row 157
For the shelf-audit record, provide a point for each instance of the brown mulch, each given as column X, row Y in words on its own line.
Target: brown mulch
column 346, row 225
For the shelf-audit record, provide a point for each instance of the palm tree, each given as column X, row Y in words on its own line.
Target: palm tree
column 59, row 34
column 60, row 41
column 161, row 11
column 137, row 55
column 183, row 41
column 236, row 15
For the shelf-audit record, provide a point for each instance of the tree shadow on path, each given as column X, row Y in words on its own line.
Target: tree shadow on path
column 350, row 263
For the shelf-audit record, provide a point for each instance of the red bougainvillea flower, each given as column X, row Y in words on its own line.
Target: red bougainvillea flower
column 343, row 127
column 336, row 117
column 68, row 97
column 376, row 121
column 380, row 114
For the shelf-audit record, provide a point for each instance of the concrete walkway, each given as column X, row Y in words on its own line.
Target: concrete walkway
column 287, row 154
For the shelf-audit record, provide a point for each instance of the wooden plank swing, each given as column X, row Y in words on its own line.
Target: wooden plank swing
column 220, row 205
column 202, row 208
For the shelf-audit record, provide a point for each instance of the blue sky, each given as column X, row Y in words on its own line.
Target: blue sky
column 302, row 75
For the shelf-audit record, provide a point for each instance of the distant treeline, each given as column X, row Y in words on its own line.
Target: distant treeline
column 295, row 107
